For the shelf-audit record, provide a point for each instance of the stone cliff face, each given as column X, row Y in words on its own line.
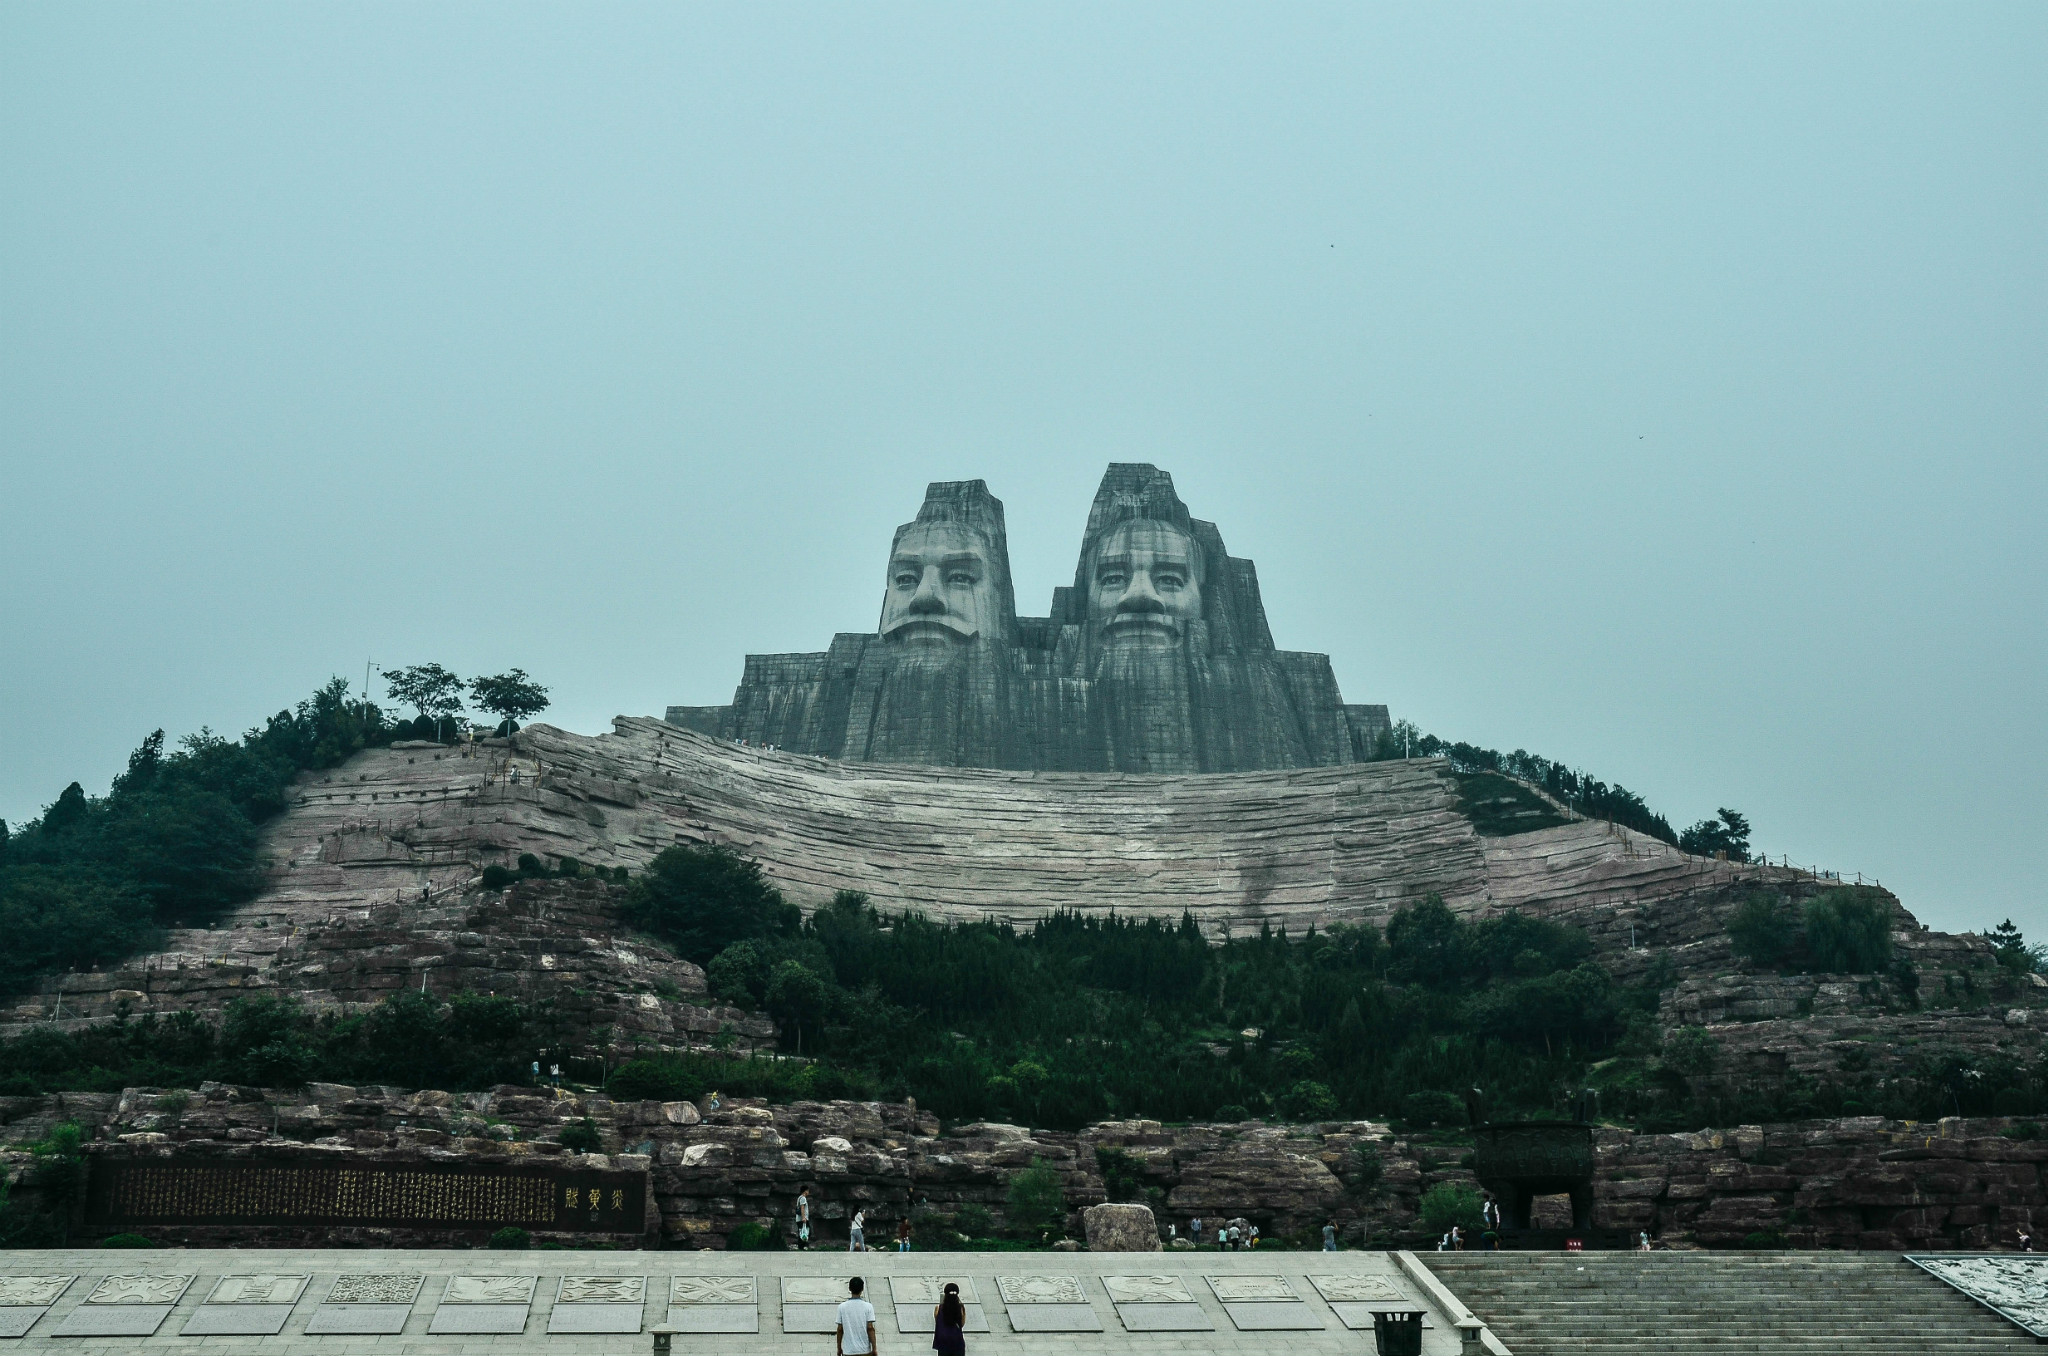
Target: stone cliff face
column 1157, row 659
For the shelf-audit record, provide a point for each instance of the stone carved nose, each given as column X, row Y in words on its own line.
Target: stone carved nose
column 927, row 599
column 1139, row 597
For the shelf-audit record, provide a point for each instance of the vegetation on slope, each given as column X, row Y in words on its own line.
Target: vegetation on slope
column 173, row 842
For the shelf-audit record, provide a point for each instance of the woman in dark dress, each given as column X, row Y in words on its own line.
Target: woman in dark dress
column 948, row 1323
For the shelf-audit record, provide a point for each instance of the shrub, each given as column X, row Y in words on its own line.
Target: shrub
column 511, row 1238
column 1449, row 1203
column 498, row 877
column 1432, row 1108
column 127, row 1241
column 1849, row 931
column 581, row 1137
column 1232, row 1112
column 974, row 1220
column 752, row 1236
column 1764, row 1239
column 1691, row 1050
column 1308, row 1100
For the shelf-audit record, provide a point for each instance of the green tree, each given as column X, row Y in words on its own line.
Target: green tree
column 1729, row 833
column 796, row 997
column 429, row 689
column 2007, row 943
column 1037, row 1208
column 1308, row 1100
column 1849, row 931
column 1449, row 1203
column 1762, row 930
column 509, row 696
column 738, row 974
column 701, row 900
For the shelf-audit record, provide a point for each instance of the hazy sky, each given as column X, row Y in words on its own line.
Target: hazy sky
column 1659, row 389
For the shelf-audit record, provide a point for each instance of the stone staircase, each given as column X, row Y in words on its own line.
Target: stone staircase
column 1714, row 1303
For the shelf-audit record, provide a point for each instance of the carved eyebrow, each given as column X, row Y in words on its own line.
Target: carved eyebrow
column 961, row 558
column 1113, row 562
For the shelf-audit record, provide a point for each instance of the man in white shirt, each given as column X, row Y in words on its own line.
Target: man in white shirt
column 855, row 1335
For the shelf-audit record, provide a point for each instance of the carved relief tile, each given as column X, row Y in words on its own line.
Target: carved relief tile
column 265, row 1289
column 376, row 1288
column 139, row 1290
column 812, row 1290
column 1236, row 1289
column 711, row 1290
column 32, row 1289
column 1356, row 1289
column 489, row 1290
column 1041, row 1290
column 2016, row 1286
column 927, row 1289
column 601, row 1290
column 1147, row 1290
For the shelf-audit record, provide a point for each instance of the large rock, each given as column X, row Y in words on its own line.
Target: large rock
column 1120, row 1228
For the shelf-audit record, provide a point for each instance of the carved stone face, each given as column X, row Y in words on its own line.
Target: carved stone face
column 1146, row 588
column 942, row 589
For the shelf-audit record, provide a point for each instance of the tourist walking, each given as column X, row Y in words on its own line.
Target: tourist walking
column 1195, row 1230
column 854, row 1334
column 856, row 1236
column 1255, row 1238
column 1330, row 1236
column 803, row 1218
column 2026, row 1241
column 949, row 1323
column 903, row 1234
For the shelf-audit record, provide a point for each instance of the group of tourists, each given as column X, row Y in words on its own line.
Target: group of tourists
column 1237, row 1235
column 856, row 1230
column 1455, row 1237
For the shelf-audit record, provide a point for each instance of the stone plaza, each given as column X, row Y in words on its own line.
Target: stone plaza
column 361, row 1302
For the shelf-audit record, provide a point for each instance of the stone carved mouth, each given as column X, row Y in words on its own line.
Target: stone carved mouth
column 1144, row 627
column 927, row 631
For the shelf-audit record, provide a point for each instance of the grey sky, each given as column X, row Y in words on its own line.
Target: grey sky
column 1659, row 389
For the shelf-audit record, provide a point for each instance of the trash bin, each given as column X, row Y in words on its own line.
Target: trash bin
column 1398, row 1332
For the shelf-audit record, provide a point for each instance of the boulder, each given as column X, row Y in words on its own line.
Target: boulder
column 1120, row 1228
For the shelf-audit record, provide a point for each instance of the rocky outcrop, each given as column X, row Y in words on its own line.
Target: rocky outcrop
column 1851, row 1183
column 1120, row 1228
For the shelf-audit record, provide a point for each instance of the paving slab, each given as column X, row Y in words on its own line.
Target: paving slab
column 358, row 1320
column 1156, row 1316
column 729, row 1318
column 588, row 1318
column 236, row 1320
column 1358, row 1317
column 810, row 1317
column 113, row 1320
column 471, row 1319
column 492, row 1290
column 1273, row 1316
column 17, row 1319
column 1054, row 1318
column 917, row 1318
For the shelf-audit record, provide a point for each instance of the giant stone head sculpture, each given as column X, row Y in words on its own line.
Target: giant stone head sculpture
column 949, row 571
column 1142, row 566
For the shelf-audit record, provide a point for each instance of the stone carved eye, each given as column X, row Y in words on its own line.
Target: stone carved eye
column 1168, row 583
column 905, row 579
column 960, row 577
column 1112, row 579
